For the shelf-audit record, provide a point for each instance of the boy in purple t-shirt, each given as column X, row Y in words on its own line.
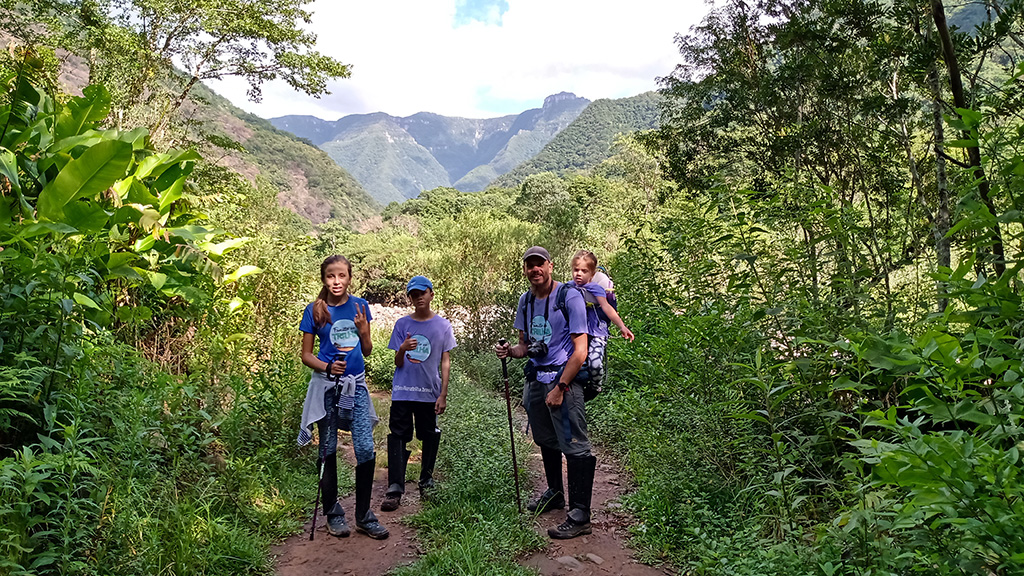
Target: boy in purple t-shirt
column 419, row 393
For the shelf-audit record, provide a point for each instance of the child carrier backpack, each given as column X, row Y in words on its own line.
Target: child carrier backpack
column 591, row 386
column 608, row 286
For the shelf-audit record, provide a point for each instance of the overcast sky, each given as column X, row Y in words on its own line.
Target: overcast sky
column 482, row 58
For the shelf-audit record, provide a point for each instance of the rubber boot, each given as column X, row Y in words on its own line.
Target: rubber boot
column 430, row 446
column 398, row 457
column 581, row 487
column 366, row 521
column 329, row 485
column 554, row 497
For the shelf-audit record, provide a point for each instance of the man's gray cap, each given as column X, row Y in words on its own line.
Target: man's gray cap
column 537, row 251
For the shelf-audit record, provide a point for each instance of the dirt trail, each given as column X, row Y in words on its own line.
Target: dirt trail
column 357, row 554
column 603, row 552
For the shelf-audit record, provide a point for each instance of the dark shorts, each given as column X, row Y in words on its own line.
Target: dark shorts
column 403, row 415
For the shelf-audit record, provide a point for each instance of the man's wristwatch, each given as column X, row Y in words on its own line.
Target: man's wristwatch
column 563, row 386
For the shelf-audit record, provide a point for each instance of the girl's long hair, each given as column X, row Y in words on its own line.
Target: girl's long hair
column 321, row 315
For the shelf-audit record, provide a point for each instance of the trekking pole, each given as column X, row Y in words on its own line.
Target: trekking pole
column 511, row 435
column 323, row 446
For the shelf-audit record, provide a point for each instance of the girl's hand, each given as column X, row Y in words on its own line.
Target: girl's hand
column 503, row 350
column 360, row 320
column 409, row 344
column 627, row 334
column 338, row 367
column 440, row 404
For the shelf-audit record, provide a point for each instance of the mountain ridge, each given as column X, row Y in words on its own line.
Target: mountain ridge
column 589, row 138
column 470, row 152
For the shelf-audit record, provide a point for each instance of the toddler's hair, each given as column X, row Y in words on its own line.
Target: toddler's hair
column 588, row 257
column 321, row 315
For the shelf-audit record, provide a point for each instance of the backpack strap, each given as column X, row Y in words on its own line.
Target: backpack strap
column 524, row 301
column 563, row 291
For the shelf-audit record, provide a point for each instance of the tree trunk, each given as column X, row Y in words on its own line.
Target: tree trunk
column 941, row 227
column 973, row 153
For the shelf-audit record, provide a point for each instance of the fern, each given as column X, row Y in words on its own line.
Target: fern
column 19, row 384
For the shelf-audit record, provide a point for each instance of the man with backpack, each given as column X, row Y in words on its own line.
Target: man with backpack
column 552, row 323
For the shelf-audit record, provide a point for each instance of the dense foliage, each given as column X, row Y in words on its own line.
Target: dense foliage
column 819, row 250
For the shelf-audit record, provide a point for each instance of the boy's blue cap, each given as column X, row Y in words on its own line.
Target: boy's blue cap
column 418, row 283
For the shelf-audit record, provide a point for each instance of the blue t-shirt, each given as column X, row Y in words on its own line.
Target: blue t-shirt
column 339, row 336
column 547, row 323
column 419, row 379
column 596, row 323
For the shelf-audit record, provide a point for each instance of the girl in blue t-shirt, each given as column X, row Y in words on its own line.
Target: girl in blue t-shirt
column 599, row 313
column 337, row 396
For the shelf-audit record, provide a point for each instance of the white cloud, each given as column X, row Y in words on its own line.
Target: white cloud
column 408, row 57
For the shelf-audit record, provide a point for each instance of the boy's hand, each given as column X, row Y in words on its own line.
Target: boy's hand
column 440, row 405
column 627, row 334
column 409, row 344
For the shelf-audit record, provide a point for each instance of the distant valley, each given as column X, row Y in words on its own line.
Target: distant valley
column 396, row 158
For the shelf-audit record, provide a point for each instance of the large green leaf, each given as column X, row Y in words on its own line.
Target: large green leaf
column 242, row 272
column 171, row 194
column 9, row 168
column 86, row 216
column 91, row 173
column 156, row 164
column 81, row 113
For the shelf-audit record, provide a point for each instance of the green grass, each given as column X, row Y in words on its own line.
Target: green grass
column 472, row 526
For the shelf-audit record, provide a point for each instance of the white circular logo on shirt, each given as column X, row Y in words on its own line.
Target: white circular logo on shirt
column 540, row 329
column 344, row 335
column 422, row 350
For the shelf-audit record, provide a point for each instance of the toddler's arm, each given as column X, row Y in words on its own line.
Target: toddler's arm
column 614, row 317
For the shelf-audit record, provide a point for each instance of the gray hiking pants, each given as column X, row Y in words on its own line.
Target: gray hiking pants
column 563, row 428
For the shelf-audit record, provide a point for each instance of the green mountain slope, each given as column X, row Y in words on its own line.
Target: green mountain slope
column 309, row 182
column 386, row 159
column 387, row 154
column 588, row 140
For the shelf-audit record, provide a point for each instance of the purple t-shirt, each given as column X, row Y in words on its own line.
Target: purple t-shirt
column 596, row 325
column 419, row 379
column 551, row 327
column 339, row 336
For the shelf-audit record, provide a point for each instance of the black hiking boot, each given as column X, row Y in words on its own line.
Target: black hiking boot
column 576, row 524
column 336, row 524
column 371, row 527
column 547, row 502
column 581, row 487
column 366, row 522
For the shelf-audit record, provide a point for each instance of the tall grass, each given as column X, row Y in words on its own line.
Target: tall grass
column 472, row 526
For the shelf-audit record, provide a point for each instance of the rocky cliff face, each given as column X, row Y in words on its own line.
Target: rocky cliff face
column 396, row 158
